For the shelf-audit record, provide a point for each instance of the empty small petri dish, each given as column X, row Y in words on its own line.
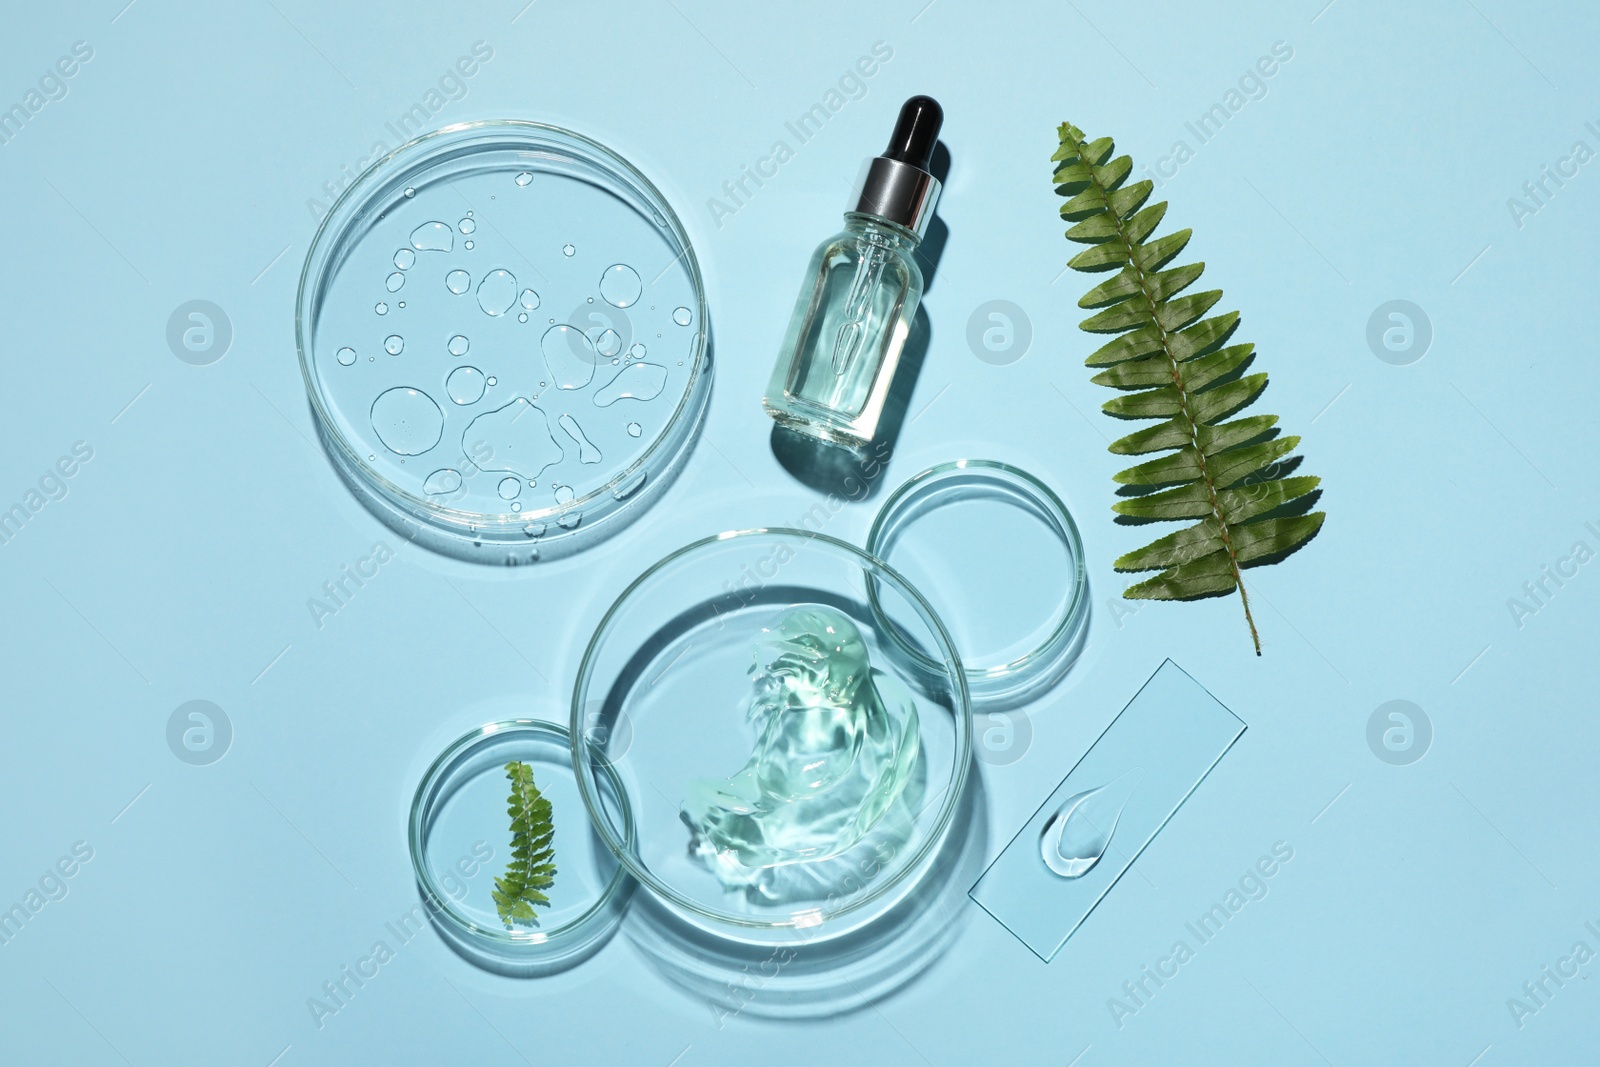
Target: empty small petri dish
column 492, row 356
column 461, row 842
column 998, row 555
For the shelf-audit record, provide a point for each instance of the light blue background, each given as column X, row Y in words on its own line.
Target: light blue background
column 1378, row 166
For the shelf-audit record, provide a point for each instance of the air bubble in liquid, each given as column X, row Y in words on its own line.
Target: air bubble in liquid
column 394, row 344
column 620, row 285
column 587, row 452
column 528, row 299
column 381, row 308
column 509, row 488
column 407, row 421
column 469, row 246
column 634, row 429
column 636, row 381
column 346, row 356
column 458, row 345
column 405, row 259
column 466, row 226
column 608, row 343
column 569, row 356
column 394, row 282
column 682, row 316
column 522, row 316
column 433, row 237
column 497, row 292
column 410, row 191
column 565, row 495
column 524, row 178
column 517, row 437
column 465, row 385
column 458, row 281
column 444, row 480
column 637, row 351
column 568, row 250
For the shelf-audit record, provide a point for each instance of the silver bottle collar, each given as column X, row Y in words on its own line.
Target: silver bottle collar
column 897, row 192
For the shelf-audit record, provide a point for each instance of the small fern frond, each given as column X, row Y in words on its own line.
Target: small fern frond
column 532, row 868
column 1170, row 358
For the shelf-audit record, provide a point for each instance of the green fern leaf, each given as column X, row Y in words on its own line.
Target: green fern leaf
column 532, row 868
column 1169, row 362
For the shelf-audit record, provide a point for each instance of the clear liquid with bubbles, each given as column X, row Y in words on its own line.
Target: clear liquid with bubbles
column 455, row 405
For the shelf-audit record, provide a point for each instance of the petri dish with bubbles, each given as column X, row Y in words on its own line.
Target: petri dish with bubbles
column 502, row 330
column 460, row 840
column 790, row 772
column 997, row 553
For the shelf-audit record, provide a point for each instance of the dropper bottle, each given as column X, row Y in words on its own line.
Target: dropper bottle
column 861, row 291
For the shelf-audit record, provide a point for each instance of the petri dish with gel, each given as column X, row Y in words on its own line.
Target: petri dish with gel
column 998, row 555
column 502, row 329
column 790, row 773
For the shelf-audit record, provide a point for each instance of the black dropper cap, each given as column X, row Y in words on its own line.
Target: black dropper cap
column 899, row 186
column 916, row 132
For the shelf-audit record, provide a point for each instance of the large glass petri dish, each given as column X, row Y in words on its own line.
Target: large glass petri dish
column 997, row 552
column 700, row 689
column 502, row 329
column 460, row 841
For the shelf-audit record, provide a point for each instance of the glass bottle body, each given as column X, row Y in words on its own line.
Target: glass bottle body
column 847, row 333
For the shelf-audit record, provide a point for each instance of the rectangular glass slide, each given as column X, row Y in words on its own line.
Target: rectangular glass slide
column 1106, row 810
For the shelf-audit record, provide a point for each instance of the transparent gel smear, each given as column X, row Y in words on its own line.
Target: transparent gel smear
column 1079, row 832
column 836, row 746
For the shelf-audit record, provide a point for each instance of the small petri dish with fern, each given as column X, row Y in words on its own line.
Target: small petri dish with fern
column 509, row 868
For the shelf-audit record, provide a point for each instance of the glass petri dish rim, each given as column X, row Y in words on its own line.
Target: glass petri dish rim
column 326, row 243
column 554, row 940
column 1039, row 657
column 624, row 853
